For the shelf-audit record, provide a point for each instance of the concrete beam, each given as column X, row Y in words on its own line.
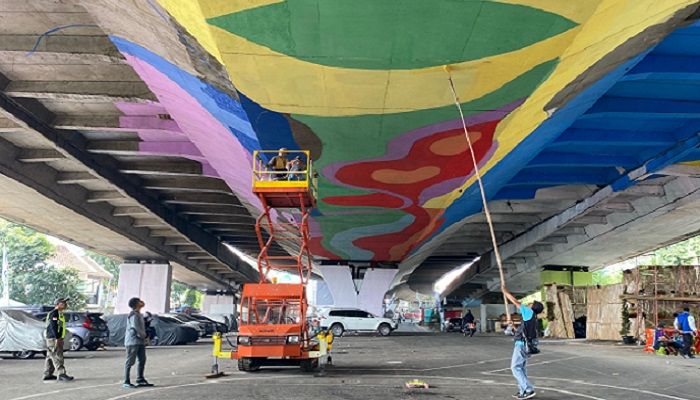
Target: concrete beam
column 149, row 223
column 63, row 43
column 645, row 191
column 130, row 211
column 681, row 170
column 171, row 168
column 86, row 123
column 240, row 219
column 39, row 155
column 200, row 198
column 203, row 184
column 107, row 195
column 71, row 178
column 177, row 241
column 80, row 91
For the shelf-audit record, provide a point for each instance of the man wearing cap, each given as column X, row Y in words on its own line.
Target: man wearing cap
column 135, row 343
column 278, row 165
column 55, row 332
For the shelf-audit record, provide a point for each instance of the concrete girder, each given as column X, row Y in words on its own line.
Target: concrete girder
column 107, row 195
column 176, row 241
column 130, row 211
column 240, row 219
column 80, row 91
column 148, row 223
column 61, row 45
column 39, row 155
column 526, row 206
column 86, row 123
column 71, row 178
column 681, row 170
column 200, row 198
column 166, row 168
column 645, row 191
column 203, row 184
column 554, row 240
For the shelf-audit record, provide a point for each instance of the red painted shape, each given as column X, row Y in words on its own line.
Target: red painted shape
column 407, row 178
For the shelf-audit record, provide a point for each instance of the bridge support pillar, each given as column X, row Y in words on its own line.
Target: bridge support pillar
column 149, row 282
column 219, row 303
column 358, row 288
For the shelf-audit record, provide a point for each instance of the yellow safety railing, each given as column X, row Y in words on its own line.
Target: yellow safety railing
column 283, row 169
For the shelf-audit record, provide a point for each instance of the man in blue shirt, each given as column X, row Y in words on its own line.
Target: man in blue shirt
column 685, row 325
column 526, row 332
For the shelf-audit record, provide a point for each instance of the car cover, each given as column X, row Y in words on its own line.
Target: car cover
column 20, row 331
column 168, row 331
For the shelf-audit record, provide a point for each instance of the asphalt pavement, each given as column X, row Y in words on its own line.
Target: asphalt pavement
column 368, row 367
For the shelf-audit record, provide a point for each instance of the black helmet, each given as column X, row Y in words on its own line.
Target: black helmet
column 61, row 300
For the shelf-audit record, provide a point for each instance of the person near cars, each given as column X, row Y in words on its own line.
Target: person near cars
column 55, row 333
column 685, row 325
column 468, row 326
column 524, row 335
column 135, row 343
column 151, row 336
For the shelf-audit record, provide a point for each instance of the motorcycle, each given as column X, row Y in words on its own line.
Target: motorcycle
column 469, row 329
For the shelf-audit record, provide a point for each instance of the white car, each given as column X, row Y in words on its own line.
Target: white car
column 340, row 320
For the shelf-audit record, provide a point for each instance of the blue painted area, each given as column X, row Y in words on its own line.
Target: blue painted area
column 645, row 112
column 222, row 106
column 272, row 128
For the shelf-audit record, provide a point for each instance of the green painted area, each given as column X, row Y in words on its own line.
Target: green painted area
column 334, row 224
column 576, row 278
column 366, row 137
column 391, row 34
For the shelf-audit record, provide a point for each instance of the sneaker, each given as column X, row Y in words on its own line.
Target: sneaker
column 528, row 395
column 65, row 378
column 143, row 383
column 128, row 385
column 50, row 377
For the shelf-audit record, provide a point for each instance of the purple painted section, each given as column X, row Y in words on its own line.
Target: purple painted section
column 185, row 149
column 214, row 141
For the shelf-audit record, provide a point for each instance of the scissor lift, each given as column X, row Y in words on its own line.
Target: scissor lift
column 273, row 328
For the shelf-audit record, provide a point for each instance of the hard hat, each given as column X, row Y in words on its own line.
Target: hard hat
column 61, row 300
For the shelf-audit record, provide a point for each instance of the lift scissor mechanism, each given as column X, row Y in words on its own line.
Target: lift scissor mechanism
column 273, row 325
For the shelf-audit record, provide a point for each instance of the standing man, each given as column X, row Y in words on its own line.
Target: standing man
column 135, row 343
column 685, row 324
column 55, row 333
column 526, row 332
column 278, row 165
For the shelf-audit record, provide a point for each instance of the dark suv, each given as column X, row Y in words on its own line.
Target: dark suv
column 89, row 329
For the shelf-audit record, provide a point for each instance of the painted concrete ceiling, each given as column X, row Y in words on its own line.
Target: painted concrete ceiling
column 361, row 84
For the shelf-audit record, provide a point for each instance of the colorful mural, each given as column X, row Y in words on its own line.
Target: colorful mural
column 361, row 83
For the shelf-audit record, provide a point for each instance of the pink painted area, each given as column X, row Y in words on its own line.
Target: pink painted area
column 214, row 141
column 185, row 149
column 149, row 108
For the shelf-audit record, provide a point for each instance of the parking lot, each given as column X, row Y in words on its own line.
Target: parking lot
column 370, row 367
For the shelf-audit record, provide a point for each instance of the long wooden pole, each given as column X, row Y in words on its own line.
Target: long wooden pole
column 477, row 173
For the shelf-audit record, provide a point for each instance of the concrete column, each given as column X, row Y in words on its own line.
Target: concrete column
column 149, row 282
column 218, row 304
column 372, row 287
column 482, row 316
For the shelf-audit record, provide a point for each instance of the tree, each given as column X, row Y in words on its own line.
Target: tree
column 31, row 280
column 177, row 292
column 110, row 264
column 193, row 298
column 45, row 283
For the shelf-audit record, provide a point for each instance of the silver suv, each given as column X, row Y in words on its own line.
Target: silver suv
column 340, row 320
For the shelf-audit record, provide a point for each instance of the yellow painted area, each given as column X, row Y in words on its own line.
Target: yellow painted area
column 575, row 10
column 286, row 84
column 189, row 14
column 215, row 8
column 612, row 24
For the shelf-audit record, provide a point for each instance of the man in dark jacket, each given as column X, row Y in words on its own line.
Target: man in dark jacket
column 135, row 343
column 55, row 333
column 468, row 324
column 526, row 332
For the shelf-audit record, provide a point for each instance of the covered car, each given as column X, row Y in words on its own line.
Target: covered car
column 22, row 335
column 168, row 331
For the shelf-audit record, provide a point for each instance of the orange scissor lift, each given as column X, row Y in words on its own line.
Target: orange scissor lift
column 273, row 328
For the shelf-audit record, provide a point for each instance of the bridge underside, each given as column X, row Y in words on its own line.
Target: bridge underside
column 129, row 126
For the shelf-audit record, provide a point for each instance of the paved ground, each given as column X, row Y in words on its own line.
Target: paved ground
column 368, row 367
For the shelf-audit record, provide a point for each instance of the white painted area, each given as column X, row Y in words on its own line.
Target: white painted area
column 149, row 282
column 374, row 286
column 218, row 304
column 341, row 285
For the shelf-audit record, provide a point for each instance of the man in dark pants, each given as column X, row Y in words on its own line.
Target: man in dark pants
column 685, row 324
column 55, row 333
column 135, row 343
column 526, row 332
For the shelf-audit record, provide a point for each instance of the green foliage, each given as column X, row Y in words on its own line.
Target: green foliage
column 110, row 264
column 193, row 298
column 605, row 277
column 45, row 284
column 685, row 252
column 31, row 281
column 177, row 293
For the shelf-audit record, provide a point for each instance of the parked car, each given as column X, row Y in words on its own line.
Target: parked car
column 453, row 325
column 22, row 335
column 340, row 320
column 168, row 330
column 215, row 326
column 89, row 330
column 199, row 326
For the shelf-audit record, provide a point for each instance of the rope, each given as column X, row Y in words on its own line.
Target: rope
column 477, row 173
